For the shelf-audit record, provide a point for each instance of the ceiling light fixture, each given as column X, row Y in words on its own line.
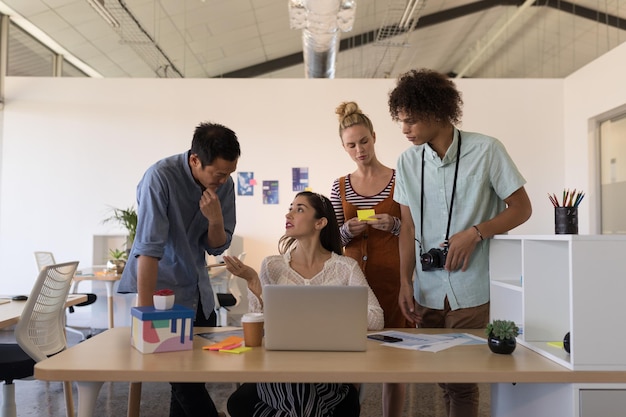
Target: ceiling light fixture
column 392, row 37
column 406, row 20
column 98, row 5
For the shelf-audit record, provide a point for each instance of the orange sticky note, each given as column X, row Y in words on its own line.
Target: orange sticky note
column 228, row 343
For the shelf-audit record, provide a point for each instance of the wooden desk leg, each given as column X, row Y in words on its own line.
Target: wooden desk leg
column 134, row 399
column 109, row 286
column 87, row 397
column 69, row 400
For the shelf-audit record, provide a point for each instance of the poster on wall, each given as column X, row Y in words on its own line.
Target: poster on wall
column 245, row 183
column 300, row 178
column 270, row 192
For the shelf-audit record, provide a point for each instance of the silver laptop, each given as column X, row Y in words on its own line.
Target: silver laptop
column 315, row 317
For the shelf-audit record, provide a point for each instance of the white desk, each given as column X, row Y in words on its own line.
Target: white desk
column 109, row 279
column 118, row 361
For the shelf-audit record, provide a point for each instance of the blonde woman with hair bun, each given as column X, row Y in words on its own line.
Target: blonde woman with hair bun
column 373, row 242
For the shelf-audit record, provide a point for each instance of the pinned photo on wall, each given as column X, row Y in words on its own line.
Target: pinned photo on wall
column 300, row 178
column 270, row 192
column 245, row 183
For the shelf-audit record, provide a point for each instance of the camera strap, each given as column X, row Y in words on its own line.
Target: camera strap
column 456, row 173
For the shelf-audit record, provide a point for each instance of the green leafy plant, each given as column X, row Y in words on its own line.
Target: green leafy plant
column 118, row 254
column 127, row 218
column 502, row 329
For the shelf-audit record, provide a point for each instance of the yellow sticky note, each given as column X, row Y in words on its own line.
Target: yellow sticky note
column 365, row 214
column 556, row 344
column 241, row 349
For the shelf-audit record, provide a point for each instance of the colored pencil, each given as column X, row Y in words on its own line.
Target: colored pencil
column 553, row 201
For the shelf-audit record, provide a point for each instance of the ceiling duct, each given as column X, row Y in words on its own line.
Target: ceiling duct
column 321, row 21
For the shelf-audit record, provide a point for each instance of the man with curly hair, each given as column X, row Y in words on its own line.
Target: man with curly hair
column 455, row 189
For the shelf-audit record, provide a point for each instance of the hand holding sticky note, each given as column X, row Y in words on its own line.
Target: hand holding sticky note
column 365, row 215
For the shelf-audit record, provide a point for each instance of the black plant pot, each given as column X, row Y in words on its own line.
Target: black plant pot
column 504, row 346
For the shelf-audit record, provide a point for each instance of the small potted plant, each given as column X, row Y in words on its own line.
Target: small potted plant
column 127, row 218
column 501, row 336
column 117, row 262
column 163, row 299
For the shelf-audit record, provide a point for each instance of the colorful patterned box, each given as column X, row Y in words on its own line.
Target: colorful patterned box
column 154, row 331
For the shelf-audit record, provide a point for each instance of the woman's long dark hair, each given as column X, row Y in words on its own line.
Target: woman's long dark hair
column 329, row 235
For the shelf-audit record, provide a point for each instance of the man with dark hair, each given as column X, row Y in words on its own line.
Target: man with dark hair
column 185, row 209
column 455, row 189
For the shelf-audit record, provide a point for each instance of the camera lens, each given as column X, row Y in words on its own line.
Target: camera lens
column 427, row 259
column 433, row 259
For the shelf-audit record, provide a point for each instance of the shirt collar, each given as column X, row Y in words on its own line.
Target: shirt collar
column 450, row 156
column 187, row 170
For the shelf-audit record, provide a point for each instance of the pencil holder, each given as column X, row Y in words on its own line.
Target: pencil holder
column 566, row 220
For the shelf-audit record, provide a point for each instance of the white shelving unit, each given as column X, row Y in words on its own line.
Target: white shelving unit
column 554, row 284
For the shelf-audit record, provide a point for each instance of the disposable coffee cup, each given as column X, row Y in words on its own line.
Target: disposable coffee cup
column 252, row 324
column 566, row 220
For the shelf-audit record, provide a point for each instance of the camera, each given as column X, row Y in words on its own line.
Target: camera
column 434, row 259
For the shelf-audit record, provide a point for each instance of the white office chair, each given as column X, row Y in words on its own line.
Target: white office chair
column 226, row 293
column 44, row 259
column 39, row 333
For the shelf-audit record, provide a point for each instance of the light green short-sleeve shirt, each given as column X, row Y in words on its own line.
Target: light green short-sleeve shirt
column 487, row 175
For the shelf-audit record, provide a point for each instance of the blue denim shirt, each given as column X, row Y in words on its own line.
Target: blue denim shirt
column 172, row 228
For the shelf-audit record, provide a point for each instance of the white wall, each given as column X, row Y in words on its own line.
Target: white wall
column 73, row 147
column 592, row 91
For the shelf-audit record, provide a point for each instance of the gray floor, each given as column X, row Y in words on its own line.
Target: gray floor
column 45, row 399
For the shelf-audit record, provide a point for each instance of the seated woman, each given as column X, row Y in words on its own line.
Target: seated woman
column 310, row 255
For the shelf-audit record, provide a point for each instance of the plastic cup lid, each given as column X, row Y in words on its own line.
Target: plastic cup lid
column 252, row 318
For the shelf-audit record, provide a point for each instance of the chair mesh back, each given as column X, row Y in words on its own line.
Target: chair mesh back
column 40, row 330
column 44, row 259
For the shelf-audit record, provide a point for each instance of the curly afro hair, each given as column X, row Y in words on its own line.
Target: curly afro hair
column 426, row 95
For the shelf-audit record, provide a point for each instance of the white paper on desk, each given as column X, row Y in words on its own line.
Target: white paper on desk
column 218, row 336
column 431, row 342
column 436, row 347
column 413, row 341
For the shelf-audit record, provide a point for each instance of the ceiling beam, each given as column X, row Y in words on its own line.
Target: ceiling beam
column 430, row 20
column 265, row 67
column 483, row 44
column 591, row 14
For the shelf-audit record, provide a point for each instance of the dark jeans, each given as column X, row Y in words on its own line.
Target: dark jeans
column 201, row 320
column 241, row 402
column 191, row 399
